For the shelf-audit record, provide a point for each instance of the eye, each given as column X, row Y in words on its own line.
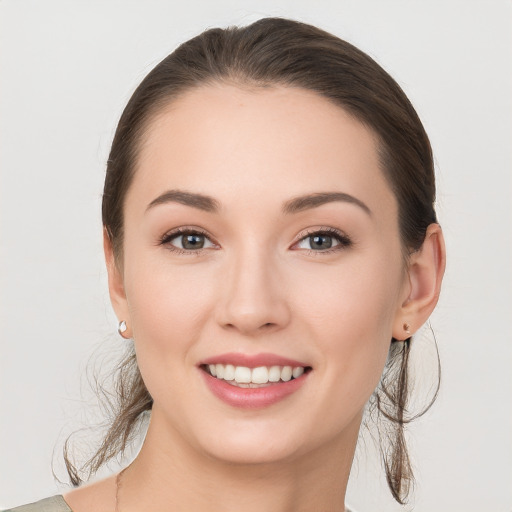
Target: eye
column 325, row 240
column 186, row 240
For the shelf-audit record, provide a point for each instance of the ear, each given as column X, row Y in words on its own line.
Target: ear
column 116, row 285
column 425, row 273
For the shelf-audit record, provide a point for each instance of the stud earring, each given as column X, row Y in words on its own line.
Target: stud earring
column 122, row 328
column 406, row 329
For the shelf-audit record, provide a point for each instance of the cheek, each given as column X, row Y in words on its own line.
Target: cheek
column 350, row 319
column 167, row 309
column 356, row 299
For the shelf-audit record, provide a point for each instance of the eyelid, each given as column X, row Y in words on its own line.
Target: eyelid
column 344, row 240
column 166, row 238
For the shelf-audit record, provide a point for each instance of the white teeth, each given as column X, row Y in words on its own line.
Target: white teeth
column 261, row 375
column 297, row 371
column 243, row 374
column 274, row 374
column 229, row 372
column 286, row 373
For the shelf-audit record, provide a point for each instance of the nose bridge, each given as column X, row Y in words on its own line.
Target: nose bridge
column 254, row 298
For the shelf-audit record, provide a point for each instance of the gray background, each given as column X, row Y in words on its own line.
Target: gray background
column 67, row 69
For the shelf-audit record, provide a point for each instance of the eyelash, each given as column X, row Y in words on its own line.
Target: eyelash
column 171, row 235
column 343, row 240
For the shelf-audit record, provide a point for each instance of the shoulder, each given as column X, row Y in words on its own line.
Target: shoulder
column 53, row 504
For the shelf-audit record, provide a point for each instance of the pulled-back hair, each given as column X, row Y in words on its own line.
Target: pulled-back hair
column 274, row 51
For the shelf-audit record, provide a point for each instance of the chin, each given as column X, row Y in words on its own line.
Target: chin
column 267, row 441
column 258, row 450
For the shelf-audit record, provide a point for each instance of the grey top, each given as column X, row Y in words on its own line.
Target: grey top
column 53, row 504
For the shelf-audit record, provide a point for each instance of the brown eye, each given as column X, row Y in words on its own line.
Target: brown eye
column 320, row 242
column 187, row 241
column 192, row 241
column 323, row 241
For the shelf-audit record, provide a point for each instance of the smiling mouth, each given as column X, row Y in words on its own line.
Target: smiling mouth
column 261, row 376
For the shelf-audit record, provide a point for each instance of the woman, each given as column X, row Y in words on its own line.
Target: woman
column 272, row 247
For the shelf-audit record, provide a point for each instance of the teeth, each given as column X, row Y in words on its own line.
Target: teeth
column 243, row 374
column 274, row 374
column 297, row 371
column 229, row 372
column 286, row 373
column 261, row 375
column 219, row 369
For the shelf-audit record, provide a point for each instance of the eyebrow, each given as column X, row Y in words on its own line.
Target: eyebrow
column 301, row 203
column 200, row 201
column 295, row 205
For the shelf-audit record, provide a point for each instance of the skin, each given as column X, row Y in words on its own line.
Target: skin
column 259, row 286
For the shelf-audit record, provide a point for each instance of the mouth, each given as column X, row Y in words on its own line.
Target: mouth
column 254, row 381
column 258, row 377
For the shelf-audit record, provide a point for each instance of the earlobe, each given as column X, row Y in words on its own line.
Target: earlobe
column 426, row 270
column 116, row 284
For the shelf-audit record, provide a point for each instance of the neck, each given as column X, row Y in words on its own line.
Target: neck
column 167, row 476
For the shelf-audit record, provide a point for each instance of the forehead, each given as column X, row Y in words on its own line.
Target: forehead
column 267, row 142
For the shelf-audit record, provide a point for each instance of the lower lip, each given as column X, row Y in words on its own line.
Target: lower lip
column 252, row 398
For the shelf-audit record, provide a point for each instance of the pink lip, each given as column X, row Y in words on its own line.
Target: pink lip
column 252, row 361
column 252, row 398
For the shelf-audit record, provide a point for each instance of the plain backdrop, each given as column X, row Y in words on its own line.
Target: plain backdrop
column 68, row 67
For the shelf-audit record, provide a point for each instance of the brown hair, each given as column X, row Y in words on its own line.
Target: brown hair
column 276, row 51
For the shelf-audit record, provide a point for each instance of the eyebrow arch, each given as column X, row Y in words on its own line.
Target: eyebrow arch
column 301, row 203
column 295, row 205
column 200, row 201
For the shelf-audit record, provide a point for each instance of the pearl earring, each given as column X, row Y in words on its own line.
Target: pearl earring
column 122, row 328
column 406, row 329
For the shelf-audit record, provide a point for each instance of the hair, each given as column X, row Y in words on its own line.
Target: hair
column 281, row 52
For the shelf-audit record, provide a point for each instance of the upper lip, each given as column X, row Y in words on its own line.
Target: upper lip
column 252, row 360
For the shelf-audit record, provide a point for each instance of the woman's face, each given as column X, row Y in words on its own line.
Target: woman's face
column 260, row 233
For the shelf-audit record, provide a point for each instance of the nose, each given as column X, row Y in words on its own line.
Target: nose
column 254, row 296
